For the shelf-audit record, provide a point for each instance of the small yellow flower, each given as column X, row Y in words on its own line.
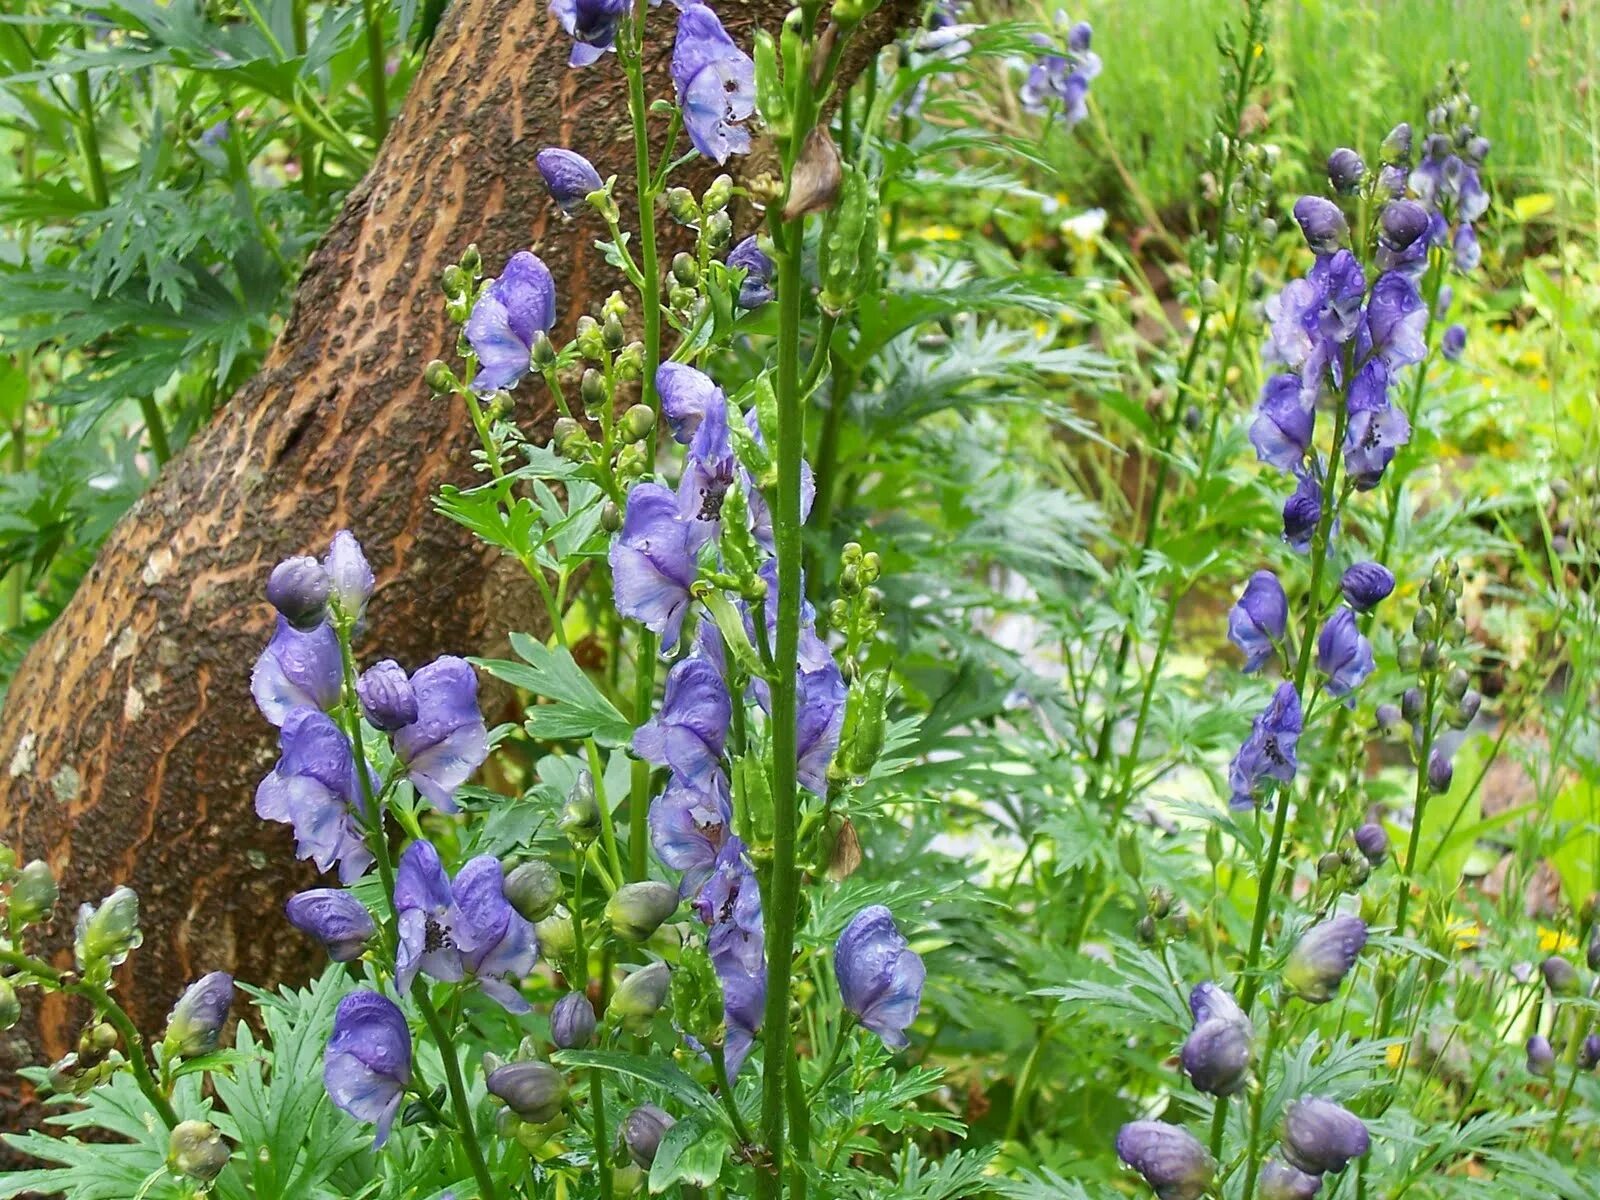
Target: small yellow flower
column 1393, row 1054
column 1553, row 941
column 1467, row 937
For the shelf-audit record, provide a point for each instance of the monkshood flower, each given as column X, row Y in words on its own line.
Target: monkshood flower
column 708, row 472
column 1269, row 751
column 1366, row 584
column 335, row 918
column 1402, row 226
column 688, row 829
column 690, row 730
column 819, row 719
column 1314, row 316
column 1170, row 1158
column 1541, row 1056
column 1345, row 170
column 1373, row 842
column 350, row 579
column 388, row 700
column 297, row 670
column 686, row 395
column 535, row 1091
column 195, row 1023
column 1448, row 183
column 1301, row 513
column 509, row 313
column 639, row 997
column 1396, row 318
column 1344, row 654
column 1285, row 421
column 1212, row 1002
column 730, row 905
column 653, row 562
column 716, row 84
column 642, row 1131
column 1062, row 79
column 880, row 976
column 367, row 1064
column 1217, row 1054
column 1465, row 249
column 1453, row 342
column 1323, row 957
column 1258, row 619
column 298, row 588
column 1371, row 439
column 756, row 287
column 572, row 1021
column 569, row 176
column 314, row 789
column 814, row 652
column 1280, row 1181
column 592, row 25
column 636, row 910
column 760, row 511
column 448, row 741
column 1589, row 1052
column 1320, row 1136
column 1441, row 770
column 1322, row 223
column 1560, row 976
column 451, row 930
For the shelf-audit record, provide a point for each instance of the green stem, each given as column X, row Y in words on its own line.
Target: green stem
column 845, row 1026
column 160, row 447
column 377, row 83
column 597, row 1099
column 457, row 1088
column 725, row 1093
column 89, row 135
column 1257, row 1105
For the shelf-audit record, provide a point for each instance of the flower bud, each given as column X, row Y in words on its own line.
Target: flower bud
column 1323, row 956
column 10, row 1006
column 1373, row 842
column 1397, row 145
column 196, row 1151
column 533, row 889
column 556, row 937
column 569, row 439
column 682, row 207
column 1366, row 584
column 569, row 176
column 1400, row 224
column 642, row 1131
column 535, row 1091
column 1280, row 1181
column 572, row 1021
column 719, row 193
column 1592, row 954
column 1440, row 771
column 1541, row 1056
column 1388, row 718
column 439, row 377
column 335, row 918
column 1560, row 976
column 107, row 933
column 1329, row 864
column 1322, row 223
column 610, row 517
column 685, row 270
column 1589, row 1052
column 818, row 172
column 636, row 910
column 1345, row 170
column 587, row 337
column 387, row 698
column 1453, row 342
column 1456, row 684
column 33, row 895
column 1411, row 702
column 638, row 997
column 453, row 282
column 613, row 333
column 1170, row 1158
column 580, row 818
column 1216, row 1056
column 592, row 390
column 349, row 575
column 637, row 423
column 471, row 259
column 195, row 1022
column 298, row 589
column 1321, row 1136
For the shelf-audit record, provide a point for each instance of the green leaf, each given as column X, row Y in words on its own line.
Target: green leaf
column 693, row 1152
column 1576, row 810
column 576, row 708
column 656, row 1072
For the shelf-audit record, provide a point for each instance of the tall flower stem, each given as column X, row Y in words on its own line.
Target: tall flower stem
column 459, row 1101
column 597, row 1100
column 377, row 83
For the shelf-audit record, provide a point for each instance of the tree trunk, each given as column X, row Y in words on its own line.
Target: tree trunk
column 129, row 746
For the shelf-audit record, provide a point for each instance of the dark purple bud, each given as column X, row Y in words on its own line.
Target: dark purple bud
column 1323, row 957
column 387, row 698
column 1321, row 1136
column 1392, row 181
column 569, row 176
column 1468, row 253
column 1411, row 702
column 1443, row 301
column 298, row 588
column 1440, row 771
column 1216, row 1056
column 1453, row 342
column 1280, row 1181
column 1389, row 717
column 1592, row 955
column 1560, row 976
column 535, row 1091
column 1589, row 1052
column 1170, row 1158
column 1397, row 145
column 335, row 918
column 756, row 289
column 1541, row 1056
column 1285, row 421
column 1209, row 1002
column 1079, row 37
column 642, row 1131
column 1401, row 224
column 1477, row 149
column 195, row 1022
column 1366, row 584
column 1345, row 170
column 1258, row 619
column 572, row 1021
column 1373, row 842
column 1301, row 512
column 1322, row 223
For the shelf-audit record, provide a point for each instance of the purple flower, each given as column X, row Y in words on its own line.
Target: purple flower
column 642, row 1131
column 1285, row 420
column 707, row 475
column 653, row 562
column 572, row 1021
column 508, row 315
column 760, row 511
column 1396, row 319
column 448, row 741
column 196, row 1020
column 1323, row 957
column 534, row 1090
column 1373, row 842
column 689, row 732
column 1345, row 170
column 716, row 84
column 1212, row 1002
column 297, row 670
column 387, row 698
column 1322, row 223
column 335, row 918
column 1453, row 342
column 756, row 288
column 1541, row 1056
column 1468, row 254
column 730, row 905
column 819, row 718
column 592, row 25
column 1560, row 976
column 1370, row 442
column 1301, row 512
column 1448, row 184
column 686, row 396
column 1366, row 584
column 350, row 580
column 1320, row 1136
column 1269, row 751
column 1257, row 621
column 1062, row 79
column 880, row 976
column 814, row 652
column 688, row 828
column 1280, row 1181
column 1170, row 1158
column 1313, row 317
column 313, row 788
column 1441, row 771
column 1216, row 1056
column 569, row 176
column 1402, row 223
column 1343, row 653
column 367, row 1064
column 298, row 589
column 448, row 931
column 1589, row 1052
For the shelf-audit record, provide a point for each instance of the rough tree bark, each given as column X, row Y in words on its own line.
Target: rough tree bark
column 129, row 748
